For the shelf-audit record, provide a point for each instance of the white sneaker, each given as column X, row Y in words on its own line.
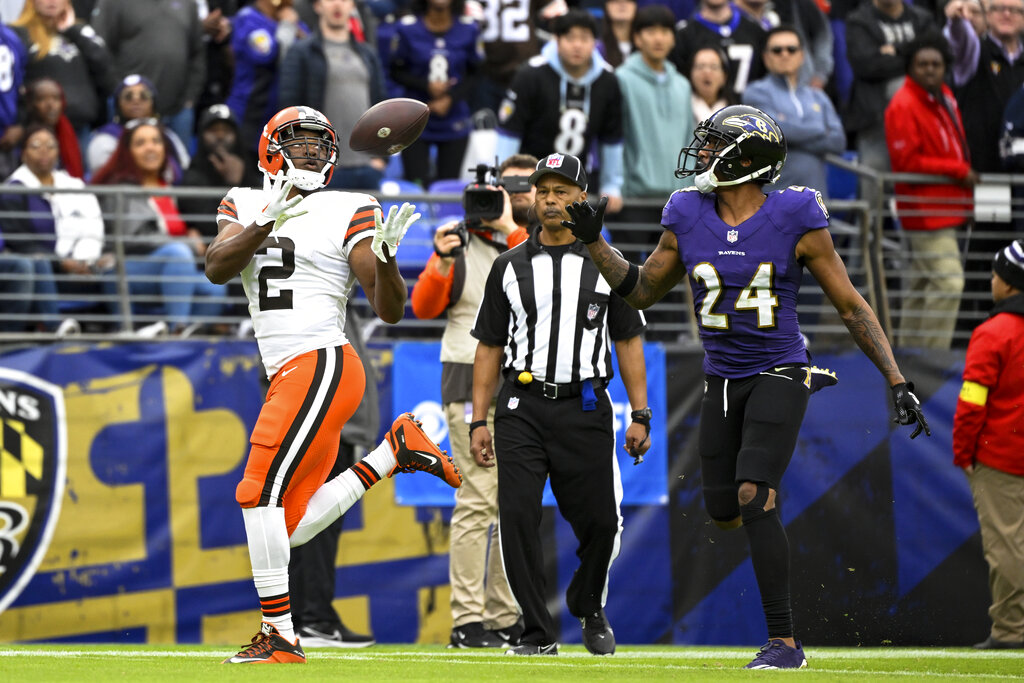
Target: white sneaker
column 157, row 329
column 68, row 327
column 189, row 330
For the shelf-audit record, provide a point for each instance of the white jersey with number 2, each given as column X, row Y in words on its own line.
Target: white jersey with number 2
column 299, row 280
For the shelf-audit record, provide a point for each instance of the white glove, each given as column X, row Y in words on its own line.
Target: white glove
column 391, row 230
column 280, row 209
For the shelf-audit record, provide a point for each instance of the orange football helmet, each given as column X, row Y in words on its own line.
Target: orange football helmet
column 281, row 144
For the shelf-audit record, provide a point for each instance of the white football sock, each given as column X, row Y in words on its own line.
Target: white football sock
column 331, row 500
column 267, row 536
column 381, row 459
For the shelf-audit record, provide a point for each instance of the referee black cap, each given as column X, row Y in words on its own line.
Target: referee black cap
column 565, row 165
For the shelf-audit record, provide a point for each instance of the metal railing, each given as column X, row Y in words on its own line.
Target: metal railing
column 988, row 220
column 106, row 303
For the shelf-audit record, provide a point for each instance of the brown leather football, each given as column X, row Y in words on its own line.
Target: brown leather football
column 388, row 127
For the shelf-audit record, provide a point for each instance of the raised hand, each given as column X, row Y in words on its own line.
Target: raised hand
column 280, row 209
column 586, row 221
column 390, row 231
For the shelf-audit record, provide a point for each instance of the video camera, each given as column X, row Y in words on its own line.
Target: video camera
column 481, row 203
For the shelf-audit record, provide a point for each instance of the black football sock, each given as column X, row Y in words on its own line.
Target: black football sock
column 769, row 553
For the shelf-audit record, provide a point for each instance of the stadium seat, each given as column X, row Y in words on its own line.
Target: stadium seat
column 842, row 184
column 417, row 246
column 447, row 209
column 392, row 188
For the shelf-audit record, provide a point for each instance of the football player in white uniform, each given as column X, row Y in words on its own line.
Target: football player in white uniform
column 300, row 249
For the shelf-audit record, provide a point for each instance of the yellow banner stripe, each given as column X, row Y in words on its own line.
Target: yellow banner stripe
column 972, row 392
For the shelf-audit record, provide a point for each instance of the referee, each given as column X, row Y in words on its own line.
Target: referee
column 547, row 322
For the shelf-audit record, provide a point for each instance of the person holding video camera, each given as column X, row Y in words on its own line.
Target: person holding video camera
column 484, row 613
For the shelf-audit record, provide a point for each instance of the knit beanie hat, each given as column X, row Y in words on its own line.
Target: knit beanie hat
column 1009, row 264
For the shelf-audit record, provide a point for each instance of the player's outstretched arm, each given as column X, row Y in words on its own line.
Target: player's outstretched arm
column 819, row 255
column 381, row 282
column 639, row 286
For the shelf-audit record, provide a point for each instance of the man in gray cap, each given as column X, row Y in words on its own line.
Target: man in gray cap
column 988, row 443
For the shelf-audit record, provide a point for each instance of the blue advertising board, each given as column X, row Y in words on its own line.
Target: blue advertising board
column 417, row 389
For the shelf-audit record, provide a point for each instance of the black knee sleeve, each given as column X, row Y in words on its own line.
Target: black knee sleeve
column 721, row 504
column 754, row 510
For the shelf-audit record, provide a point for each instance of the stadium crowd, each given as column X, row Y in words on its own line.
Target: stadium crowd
column 618, row 83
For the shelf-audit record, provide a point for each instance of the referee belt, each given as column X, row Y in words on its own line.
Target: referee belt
column 552, row 390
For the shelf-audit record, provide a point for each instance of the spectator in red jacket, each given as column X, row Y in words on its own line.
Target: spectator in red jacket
column 925, row 134
column 988, row 443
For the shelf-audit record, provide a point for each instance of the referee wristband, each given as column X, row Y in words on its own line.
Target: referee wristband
column 474, row 425
column 627, row 284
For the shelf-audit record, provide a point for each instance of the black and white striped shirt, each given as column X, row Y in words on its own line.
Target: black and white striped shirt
column 554, row 313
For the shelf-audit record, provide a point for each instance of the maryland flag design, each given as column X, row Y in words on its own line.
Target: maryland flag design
column 33, row 459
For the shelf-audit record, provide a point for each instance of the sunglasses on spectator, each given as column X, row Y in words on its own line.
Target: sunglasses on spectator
column 41, row 145
column 137, row 95
column 996, row 9
column 779, row 49
column 146, row 121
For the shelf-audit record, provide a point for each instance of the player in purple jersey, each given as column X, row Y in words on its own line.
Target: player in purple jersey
column 744, row 251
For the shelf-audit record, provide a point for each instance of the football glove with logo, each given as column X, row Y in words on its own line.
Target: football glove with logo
column 280, row 209
column 392, row 229
column 908, row 408
column 586, row 221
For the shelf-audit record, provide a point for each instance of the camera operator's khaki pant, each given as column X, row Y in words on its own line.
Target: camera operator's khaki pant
column 480, row 591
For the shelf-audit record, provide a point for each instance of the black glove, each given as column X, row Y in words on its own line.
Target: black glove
column 908, row 408
column 586, row 222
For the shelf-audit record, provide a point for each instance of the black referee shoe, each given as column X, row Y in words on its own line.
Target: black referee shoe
column 530, row 649
column 322, row 635
column 597, row 634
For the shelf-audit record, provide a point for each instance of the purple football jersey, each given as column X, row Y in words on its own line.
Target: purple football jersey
column 745, row 278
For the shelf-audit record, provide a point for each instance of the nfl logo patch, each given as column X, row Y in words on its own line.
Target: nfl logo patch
column 592, row 311
column 732, row 235
column 555, row 161
column 513, row 403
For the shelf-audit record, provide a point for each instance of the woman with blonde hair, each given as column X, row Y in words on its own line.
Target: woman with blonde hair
column 68, row 51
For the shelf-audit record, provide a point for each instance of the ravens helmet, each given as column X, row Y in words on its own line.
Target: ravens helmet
column 725, row 141
column 280, row 147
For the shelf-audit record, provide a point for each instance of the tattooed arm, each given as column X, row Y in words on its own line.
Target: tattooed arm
column 661, row 272
column 816, row 251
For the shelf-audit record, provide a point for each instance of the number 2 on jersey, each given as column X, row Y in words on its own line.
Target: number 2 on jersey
column 283, row 299
column 756, row 296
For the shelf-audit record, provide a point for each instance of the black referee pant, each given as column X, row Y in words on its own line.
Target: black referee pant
column 535, row 437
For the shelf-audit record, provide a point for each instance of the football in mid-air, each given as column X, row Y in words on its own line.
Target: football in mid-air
column 388, row 127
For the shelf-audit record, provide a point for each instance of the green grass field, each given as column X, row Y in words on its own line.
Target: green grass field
column 98, row 663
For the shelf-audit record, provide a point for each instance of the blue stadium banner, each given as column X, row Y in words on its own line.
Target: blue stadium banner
column 417, row 388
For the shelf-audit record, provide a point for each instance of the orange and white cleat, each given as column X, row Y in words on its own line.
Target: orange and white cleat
column 415, row 451
column 269, row 647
